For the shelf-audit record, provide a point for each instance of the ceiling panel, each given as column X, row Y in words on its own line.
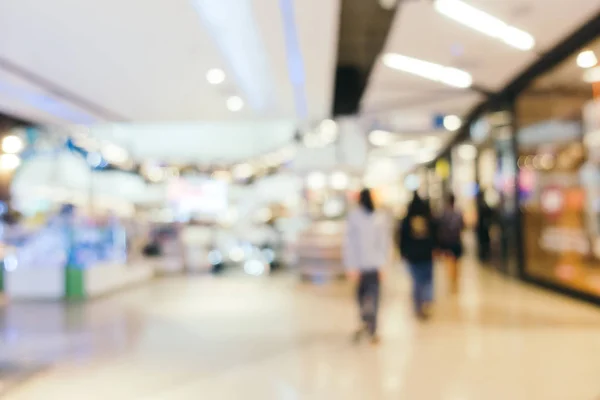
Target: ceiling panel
column 198, row 143
column 146, row 60
column 420, row 32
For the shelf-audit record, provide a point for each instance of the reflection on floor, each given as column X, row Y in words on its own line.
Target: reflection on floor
column 274, row 338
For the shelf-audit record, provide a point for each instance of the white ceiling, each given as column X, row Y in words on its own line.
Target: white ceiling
column 420, row 32
column 198, row 143
column 146, row 60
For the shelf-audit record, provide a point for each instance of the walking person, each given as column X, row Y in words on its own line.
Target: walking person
column 365, row 251
column 450, row 227
column 417, row 245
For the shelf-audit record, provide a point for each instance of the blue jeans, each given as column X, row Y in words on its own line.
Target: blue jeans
column 422, row 277
column 368, row 299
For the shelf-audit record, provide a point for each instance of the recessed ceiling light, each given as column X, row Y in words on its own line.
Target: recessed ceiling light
column 452, row 122
column 215, row 76
column 235, row 103
column 587, row 59
column 428, row 70
column 379, row 137
column 485, row 23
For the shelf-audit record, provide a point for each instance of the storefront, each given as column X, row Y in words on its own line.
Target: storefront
column 559, row 173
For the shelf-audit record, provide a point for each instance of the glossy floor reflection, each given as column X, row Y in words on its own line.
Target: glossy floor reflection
column 273, row 338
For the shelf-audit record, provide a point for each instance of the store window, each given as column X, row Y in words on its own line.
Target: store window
column 559, row 170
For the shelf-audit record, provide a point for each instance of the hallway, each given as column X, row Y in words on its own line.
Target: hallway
column 236, row 337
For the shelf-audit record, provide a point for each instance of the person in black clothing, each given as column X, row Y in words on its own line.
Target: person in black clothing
column 417, row 244
column 485, row 216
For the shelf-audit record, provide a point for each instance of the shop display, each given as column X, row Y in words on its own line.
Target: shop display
column 319, row 250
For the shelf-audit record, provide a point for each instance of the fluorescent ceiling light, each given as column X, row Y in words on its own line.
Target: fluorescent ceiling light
column 235, row 103
column 452, row 123
column 215, row 76
column 587, row 59
column 379, row 137
column 485, row 23
column 435, row 72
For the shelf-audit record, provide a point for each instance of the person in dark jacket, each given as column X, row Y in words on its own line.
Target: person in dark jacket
column 417, row 238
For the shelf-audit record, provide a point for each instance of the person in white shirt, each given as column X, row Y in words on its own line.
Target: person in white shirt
column 365, row 252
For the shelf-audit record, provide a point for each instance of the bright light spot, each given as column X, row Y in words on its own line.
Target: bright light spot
column 235, row 103
column 12, row 144
column 467, row 152
column 316, row 180
column 242, row 171
column 435, row 72
column 329, row 131
column 485, row 23
column 10, row 263
column 215, row 76
column 215, row 257
column 412, row 182
column 426, row 156
column 452, row 123
column 9, row 162
column 587, row 59
column 155, row 174
column 254, row 267
column 379, row 137
column 114, row 154
column 406, row 147
column 94, row 160
column 237, row 254
column 339, row 180
column 333, row 207
column 592, row 75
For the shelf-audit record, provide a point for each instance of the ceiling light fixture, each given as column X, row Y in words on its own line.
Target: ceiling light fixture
column 587, row 59
column 485, row 23
column 215, row 76
column 452, row 123
column 428, row 70
column 235, row 103
column 379, row 137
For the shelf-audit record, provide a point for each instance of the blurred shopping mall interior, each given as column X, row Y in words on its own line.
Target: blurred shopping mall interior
column 175, row 177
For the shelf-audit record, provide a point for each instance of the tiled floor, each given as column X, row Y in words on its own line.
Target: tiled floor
column 237, row 337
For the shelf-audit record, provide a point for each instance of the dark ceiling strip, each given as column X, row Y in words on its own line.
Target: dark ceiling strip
column 552, row 58
column 58, row 91
column 363, row 30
